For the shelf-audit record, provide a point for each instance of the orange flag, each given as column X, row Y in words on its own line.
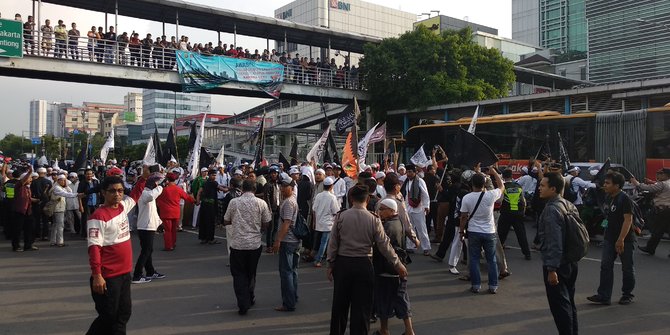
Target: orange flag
column 350, row 153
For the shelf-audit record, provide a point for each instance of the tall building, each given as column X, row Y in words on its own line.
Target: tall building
column 109, row 115
column 161, row 108
column 38, row 118
column 628, row 40
column 353, row 16
column 559, row 25
column 132, row 103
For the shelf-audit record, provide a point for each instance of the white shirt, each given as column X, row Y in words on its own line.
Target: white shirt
column 579, row 185
column 527, row 183
column 247, row 214
column 147, row 218
column 381, row 191
column 222, row 180
column 340, row 189
column 425, row 198
column 482, row 221
column 325, row 207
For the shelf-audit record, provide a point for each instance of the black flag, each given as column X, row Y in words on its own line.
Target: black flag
column 284, row 161
column 346, row 119
column 600, row 177
column 294, row 153
column 563, row 154
column 469, row 150
column 170, row 148
column 206, row 159
column 260, row 144
column 80, row 162
column 192, row 136
column 157, row 146
column 333, row 147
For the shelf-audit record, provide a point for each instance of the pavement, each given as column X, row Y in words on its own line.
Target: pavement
column 47, row 292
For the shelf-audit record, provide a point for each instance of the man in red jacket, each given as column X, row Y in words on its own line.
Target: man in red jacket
column 168, row 209
column 111, row 256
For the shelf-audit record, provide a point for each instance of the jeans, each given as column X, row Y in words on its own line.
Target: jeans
column 289, row 257
column 113, row 307
column 144, row 261
column 477, row 241
column 561, row 298
column 607, row 269
column 271, row 231
column 322, row 246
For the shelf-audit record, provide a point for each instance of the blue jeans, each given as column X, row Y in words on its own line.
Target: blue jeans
column 607, row 269
column 475, row 243
column 289, row 257
column 322, row 246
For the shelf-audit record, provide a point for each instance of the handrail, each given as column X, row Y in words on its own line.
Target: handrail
column 157, row 57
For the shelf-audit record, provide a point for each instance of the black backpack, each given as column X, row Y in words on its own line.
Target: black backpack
column 575, row 236
column 300, row 228
column 569, row 193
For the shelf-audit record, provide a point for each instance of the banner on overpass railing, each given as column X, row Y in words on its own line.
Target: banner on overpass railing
column 202, row 72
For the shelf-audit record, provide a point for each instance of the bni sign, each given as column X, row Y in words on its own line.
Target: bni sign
column 11, row 38
column 340, row 5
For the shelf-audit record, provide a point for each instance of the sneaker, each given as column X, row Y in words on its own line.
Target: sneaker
column 33, row 248
column 142, row 280
column 474, row 289
column 18, row 250
column 504, row 275
column 453, row 270
column 626, row 300
column 646, row 250
column 493, row 290
column 157, row 275
column 597, row 299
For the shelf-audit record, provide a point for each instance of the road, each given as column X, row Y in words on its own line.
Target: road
column 46, row 292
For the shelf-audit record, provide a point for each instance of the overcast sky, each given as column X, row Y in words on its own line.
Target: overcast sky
column 16, row 93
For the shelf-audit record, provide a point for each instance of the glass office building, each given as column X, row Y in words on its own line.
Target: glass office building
column 628, row 40
column 160, row 108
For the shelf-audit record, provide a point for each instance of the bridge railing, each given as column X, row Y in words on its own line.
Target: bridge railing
column 154, row 56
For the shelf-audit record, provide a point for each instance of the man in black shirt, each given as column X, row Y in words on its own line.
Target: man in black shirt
column 619, row 241
column 432, row 181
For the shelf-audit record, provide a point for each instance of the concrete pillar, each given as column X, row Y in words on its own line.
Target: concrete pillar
column 505, row 108
column 568, row 108
column 446, row 115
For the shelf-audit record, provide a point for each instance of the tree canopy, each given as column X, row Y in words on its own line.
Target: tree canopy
column 421, row 68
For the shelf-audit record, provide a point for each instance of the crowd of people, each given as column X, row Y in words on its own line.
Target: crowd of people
column 131, row 49
column 364, row 229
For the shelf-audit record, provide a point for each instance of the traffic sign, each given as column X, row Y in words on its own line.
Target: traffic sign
column 11, row 38
column 36, row 140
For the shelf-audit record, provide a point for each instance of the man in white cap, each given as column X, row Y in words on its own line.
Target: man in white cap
column 40, row 188
column 324, row 209
column 319, row 177
column 402, row 173
column 72, row 213
column 340, row 186
column 578, row 185
column 528, row 183
column 379, row 176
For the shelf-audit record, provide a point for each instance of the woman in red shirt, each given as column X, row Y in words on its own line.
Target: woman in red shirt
column 168, row 210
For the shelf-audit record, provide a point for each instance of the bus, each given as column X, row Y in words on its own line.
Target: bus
column 638, row 139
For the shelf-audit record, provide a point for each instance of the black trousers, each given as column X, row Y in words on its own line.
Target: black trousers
column 144, row 261
column 661, row 226
column 431, row 217
column 447, row 238
column 243, row 265
column 562, row 298
column 206, row 224
column 508, row 220
column 21, row 222
column 113, row 307
column 353, row 293
column 41, row 222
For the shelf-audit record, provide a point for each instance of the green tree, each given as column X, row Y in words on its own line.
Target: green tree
column 421, row 69
column 13, row 145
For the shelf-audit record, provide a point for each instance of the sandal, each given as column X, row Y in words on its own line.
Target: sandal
column 214, row 242
column 283, row 309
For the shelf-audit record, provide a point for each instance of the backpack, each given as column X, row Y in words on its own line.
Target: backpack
column 50, row 205
column 638, row 218
column 575, row 236
column 569, row 193
column 300, row 228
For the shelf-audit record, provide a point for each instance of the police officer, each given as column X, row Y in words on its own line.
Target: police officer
column 350, row 263
column 661, row 221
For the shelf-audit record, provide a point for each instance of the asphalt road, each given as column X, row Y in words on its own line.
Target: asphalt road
column 46, row 292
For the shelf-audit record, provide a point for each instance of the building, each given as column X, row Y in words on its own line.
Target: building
column 442, row 23
column 559, row 25
column 108, row 116
column 128, row 133
column 161, row 108
column 628, row 40
column 352, row 16
column 132, row 103
column 38, row 118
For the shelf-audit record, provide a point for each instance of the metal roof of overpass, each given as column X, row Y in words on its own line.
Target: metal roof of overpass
column 227, row 21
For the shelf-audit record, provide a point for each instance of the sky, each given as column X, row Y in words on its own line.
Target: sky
column 16, row 93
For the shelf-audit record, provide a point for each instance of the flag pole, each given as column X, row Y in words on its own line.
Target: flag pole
column 444, row 172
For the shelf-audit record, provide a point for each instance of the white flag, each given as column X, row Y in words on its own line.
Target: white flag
column 219, row 157
column 43, row 161
column 55, row 165
column 379, row 134
column 364, row 143
column 194, row 161
column 420, row 159
column 473, row 122
column 318, row 149
column 109, row 144
column 150, row 153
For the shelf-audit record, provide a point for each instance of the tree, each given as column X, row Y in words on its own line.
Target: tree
column 421, row 69
column 13, row 145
